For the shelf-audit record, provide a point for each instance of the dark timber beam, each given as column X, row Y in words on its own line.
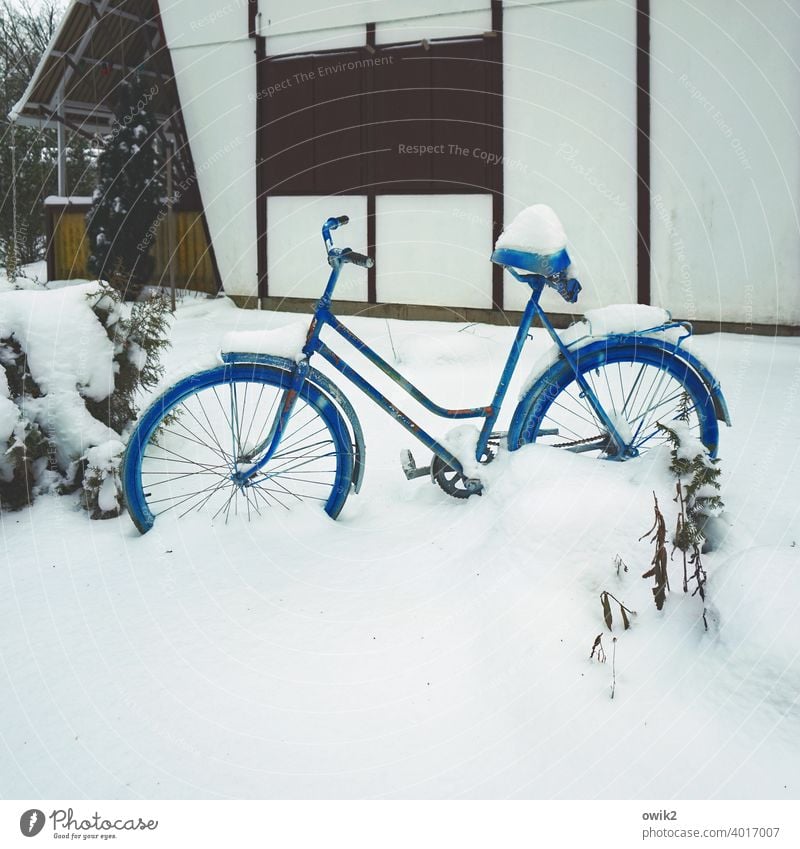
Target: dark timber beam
column 495, row 48
column 643, row 224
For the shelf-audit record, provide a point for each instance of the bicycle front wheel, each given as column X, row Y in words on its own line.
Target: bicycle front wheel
column 638, row 387
column 189, row 444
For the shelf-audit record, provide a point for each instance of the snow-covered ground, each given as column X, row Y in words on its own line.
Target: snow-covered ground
column 419, row 646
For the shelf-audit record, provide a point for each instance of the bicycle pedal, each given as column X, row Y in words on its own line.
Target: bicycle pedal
column 410, row 467
column 498, row 439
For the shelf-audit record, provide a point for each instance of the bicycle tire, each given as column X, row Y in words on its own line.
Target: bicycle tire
column 187, row 430
column 644, row 386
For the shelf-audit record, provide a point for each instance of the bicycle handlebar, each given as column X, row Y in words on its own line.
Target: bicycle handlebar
column 343, row 254
column 356, row 258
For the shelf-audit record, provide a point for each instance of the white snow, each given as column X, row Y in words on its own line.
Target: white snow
column 689, row 445
column 462, row 442
column 536, row 229
column 625, row 318
column 106, row 459
column 46, row 324
column 137, row 355
column 284, row 342
column 30, row 276
column 9, row 415
column 68, row 200
column 419, row 647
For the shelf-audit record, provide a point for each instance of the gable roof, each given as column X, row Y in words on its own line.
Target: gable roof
column 96, row 46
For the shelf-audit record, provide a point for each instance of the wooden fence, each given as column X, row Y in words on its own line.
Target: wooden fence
column 68, row 248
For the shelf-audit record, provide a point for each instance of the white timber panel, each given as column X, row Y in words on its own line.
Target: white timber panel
column 296, row 260
column 570, row 138
column 726, row 160
column 216, row 85
column 434, row 249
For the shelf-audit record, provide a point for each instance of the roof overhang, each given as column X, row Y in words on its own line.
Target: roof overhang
column 97, row 45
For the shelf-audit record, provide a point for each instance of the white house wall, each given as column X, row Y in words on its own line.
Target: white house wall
column 453, row 25
column 434, row 249
column 279, row 17
column 725, row 153
column 458, row 25
column 335, row 38
column 188, row 23
column 215, row 73
column 570, row 137
column 296, row 261
column 431, row 249
column 726, row 159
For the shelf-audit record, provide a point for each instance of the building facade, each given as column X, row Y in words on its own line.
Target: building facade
column 663, row 132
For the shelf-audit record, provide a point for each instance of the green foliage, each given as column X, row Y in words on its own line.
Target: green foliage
column 697, row 496
column 697, row 487
column 13, row 359
column 139, row 340
column 128, row 198
column 101, row 486
column 25, row 457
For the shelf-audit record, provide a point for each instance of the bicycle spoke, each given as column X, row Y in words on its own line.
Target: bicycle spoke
column 192, row 438
column 212, row 434
column 638, row 394
column 236, row 435
column 180, row 477
column 185, row 498
column 205, row 500
column 182, row 458
column 255, row 410
column 186, row 465
column 634, row 388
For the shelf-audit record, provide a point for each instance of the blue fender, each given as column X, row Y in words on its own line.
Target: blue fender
column 327, row 386
column 702, row 370
column 603, row 343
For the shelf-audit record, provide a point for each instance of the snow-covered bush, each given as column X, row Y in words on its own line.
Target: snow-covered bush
column 697, row 495
column 72, row 362
column 697, row 486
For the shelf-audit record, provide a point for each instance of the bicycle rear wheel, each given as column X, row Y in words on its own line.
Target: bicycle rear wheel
column 188, row 445
column 638, row 388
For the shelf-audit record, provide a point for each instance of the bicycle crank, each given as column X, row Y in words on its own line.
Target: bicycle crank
column 454, row 483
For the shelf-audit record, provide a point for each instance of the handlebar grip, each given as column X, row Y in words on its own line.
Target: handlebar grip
column 335, row 223
column 361, row 260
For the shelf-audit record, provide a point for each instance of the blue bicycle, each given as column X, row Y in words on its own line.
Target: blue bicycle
column 261, row 431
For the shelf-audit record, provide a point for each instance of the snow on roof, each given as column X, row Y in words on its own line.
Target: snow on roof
column 58, row 200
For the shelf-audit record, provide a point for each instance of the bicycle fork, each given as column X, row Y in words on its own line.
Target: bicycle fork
column 269, row 445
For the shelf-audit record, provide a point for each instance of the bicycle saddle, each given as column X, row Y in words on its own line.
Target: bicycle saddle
column 544, row 264
column 534, row 241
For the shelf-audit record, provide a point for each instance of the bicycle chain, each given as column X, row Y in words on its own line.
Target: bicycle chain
column 580, row 441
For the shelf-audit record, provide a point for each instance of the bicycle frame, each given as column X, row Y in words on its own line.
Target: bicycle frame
column 324, row 317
